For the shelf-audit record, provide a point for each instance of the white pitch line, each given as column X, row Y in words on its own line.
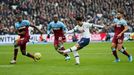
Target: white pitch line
column 95, row 53
column 6, row 52
column 54, row 53
column 6, row 66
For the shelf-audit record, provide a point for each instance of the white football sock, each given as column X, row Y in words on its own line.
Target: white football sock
column 70, row 49
column 76, row 55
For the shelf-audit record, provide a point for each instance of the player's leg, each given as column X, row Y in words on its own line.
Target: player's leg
column 75, row 52
column 59, row 42
column 114, row 49
column 82, row 43
column 23, row 51
column 114, row 52
column 71, row 49
column 23, row 48
column 56, row 45
column 123, row 50
column 15, row 52
column 59, row 46
column 76, row 55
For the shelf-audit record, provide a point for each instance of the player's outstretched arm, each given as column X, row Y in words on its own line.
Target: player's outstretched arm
column 72, row 31
column 110, row 26
column 37, row 29
column 99, row 26
column 21, row 31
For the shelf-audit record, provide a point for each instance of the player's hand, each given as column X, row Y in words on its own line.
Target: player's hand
column 41, row 32
column 41, row 37
column 48, row 35
column 64, row 38
column 21, row 33
column 106, row 27
column 119, row 35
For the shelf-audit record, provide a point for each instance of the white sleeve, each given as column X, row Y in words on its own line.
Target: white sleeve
column 99, row 26
column 71, row 31
column 88, row 24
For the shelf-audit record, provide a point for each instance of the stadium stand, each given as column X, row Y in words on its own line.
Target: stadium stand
column 40, row 12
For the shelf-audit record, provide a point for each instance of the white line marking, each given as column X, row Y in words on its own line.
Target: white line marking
column 6, row 66
column 55, row 53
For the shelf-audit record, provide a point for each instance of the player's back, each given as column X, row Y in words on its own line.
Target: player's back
column 23, row 26
column 58, row 28
column 119, row 27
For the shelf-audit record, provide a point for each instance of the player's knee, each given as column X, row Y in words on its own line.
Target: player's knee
column 24, row 53
column 113, row 49
column 113, row 45
column 120, row 41
column 77, row 45
column 119, row 47
column 79, row 48
column 121, row 50
column 15, row 46
column 56, row 47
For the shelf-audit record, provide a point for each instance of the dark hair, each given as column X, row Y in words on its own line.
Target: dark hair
column 79, row 18
column 121, row 11
column 18, row 15
column 55, row 15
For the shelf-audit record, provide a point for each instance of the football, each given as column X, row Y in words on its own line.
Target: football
column 37, row 55
column 132, row 36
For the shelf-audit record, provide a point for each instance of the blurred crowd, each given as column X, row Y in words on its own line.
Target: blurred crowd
column 40, row 12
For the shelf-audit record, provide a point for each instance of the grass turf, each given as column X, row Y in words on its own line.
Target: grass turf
column 96, row 59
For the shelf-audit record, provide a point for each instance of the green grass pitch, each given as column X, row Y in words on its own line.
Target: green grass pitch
column 96, row 59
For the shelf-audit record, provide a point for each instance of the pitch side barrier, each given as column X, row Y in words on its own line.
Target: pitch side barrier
column 9, row 39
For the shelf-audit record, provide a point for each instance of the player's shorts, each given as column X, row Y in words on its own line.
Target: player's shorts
column 83, row 42
column 23, row 40
column 59, row 40
column 118, row 40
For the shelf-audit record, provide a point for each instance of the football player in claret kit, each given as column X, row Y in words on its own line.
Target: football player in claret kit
column 83, row 29
column 120, row 27
column 58, row 29
column 23, row 32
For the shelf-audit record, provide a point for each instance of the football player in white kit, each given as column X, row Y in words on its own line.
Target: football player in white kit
column 83, row 29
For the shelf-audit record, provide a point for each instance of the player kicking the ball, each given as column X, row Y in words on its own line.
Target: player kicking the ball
column 83, row 29
column 120, row 27
column 22, row 30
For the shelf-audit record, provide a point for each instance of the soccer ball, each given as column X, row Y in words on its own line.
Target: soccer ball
column 132, row 36
column 37, row 55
